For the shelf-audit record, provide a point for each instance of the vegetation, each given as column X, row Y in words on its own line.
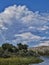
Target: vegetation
column 19, row 60
column 9, row 50
column 45, row 53
column 41, row 50
column 17, row 55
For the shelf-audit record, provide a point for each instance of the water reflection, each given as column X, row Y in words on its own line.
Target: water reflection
column 46, row 61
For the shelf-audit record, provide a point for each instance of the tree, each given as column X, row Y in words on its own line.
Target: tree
column 22, row 49
column 7, row 46
column 1, row 51
column 25, row 46
column 20, row 46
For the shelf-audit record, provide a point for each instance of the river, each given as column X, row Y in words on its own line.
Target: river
column 46, row 61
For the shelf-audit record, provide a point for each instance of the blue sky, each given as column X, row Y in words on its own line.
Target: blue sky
column 34, row 5
column 25, row 21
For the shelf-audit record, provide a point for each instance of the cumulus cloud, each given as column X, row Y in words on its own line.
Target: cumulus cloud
column 23, row 20
column 43, row 28
column 45, row 43
column 28, row 35
column 22, row 14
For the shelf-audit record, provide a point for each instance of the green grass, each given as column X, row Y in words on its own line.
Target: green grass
column 19, row 60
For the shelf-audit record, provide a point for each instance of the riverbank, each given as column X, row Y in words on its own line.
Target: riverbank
column 46, row 61
column 20, row 60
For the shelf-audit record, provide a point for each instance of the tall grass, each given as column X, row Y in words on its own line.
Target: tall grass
column 19, row 60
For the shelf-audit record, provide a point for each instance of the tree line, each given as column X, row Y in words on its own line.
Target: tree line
column 9, row 50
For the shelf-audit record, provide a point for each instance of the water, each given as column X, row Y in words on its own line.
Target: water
column 46, row 61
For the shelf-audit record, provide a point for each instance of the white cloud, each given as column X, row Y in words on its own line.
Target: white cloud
column 43, row 28
column 4, row 28
column 45, row 43
column 21, row 16
column 28, row 35
column 31, row 27
column 40, row 28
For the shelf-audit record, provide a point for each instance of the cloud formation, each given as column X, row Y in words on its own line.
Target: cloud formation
column 27, row 37
column 45, row 43
column 22, row 14
column 21, row 21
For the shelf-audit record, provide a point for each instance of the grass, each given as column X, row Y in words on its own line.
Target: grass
column 19, row 60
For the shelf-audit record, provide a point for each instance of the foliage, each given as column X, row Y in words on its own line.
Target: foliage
column 17, row 55
column 22, row 46
column 7, row 50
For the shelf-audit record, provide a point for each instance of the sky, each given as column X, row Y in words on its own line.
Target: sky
column 34, row 5
column 24, row 21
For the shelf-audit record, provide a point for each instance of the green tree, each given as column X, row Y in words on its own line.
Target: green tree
column 25, row 46
column 20, row 46
column 7, row 46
